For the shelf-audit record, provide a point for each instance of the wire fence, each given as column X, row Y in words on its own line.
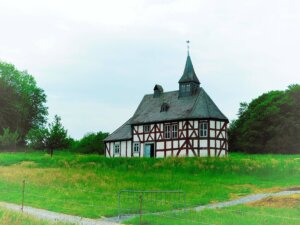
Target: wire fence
column 140, row 207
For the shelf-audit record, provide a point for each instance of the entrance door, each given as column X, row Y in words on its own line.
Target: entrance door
column 149, row 150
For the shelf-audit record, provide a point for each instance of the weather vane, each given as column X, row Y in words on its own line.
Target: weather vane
column 188, row 46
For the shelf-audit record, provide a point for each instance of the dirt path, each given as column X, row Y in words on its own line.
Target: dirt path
column 55, row 217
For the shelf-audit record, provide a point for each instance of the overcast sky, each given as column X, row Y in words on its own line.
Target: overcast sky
column 96, row 59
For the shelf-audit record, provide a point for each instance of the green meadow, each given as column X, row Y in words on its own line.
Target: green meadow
column 88, row 185
column 243, row 215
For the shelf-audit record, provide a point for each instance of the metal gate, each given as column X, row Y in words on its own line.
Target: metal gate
column 131, row 202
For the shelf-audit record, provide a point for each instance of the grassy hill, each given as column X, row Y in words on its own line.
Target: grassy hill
column 88, row 185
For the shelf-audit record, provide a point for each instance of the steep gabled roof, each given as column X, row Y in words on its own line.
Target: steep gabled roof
column 198, row 106
column 189, row 74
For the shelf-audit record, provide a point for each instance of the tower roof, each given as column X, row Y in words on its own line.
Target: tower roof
column 189, row 74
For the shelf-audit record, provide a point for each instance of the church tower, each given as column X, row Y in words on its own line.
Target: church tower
column 188, row 84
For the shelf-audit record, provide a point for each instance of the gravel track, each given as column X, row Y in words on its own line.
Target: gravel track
column 56, row 217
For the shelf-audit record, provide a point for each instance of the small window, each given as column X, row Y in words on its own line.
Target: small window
column 167, row 131
column 174, row 130
column 203, row 129
column 146, row 128
column 164, row 107
column 117, row 148
column 136, row 147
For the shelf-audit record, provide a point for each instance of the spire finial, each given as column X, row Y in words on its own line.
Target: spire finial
column 188, row 47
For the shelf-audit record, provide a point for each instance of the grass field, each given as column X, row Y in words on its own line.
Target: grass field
column 280, row 211
column 87, row 185
column 8, row 217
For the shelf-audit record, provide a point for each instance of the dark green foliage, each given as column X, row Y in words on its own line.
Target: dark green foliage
column 22, row 102
column 9, row 140
column 90, row 143
column 37, row 138
column 269, row 124
column 58, row 135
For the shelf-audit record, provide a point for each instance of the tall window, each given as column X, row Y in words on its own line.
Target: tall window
column 117, row 148
column 167, row 131
column 174, row 130
column 146, row 128
column 171, row 131
column 203, row 129
column 136, row 147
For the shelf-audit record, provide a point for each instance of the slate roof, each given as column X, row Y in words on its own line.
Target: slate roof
column 122, row 133
column 198, row 106
column 189, row 74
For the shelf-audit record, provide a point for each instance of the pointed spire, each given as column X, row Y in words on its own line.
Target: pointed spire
column 188, row 47
column 189, row 74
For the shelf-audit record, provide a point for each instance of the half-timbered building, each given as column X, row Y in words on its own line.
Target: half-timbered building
column 181, row 123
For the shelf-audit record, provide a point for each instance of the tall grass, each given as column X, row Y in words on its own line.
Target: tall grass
column 88, row 185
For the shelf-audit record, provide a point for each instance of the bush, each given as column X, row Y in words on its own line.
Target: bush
column 90, row 143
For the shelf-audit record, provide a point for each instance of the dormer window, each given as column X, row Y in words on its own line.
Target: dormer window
column 164, row 107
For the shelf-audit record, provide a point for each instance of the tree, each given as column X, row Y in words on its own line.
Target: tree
column 90, row 143
column 37, row 138
column 22, row 101
column 269, row 124
column 9, row 139
column 58, row 136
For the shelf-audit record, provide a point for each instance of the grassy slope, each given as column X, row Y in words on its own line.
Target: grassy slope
column 8, row 217
column 283, row 211
column 88, row 185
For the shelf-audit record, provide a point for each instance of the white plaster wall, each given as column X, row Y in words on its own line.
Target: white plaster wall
column 159, row 145
column 159, row 154
column 175, row 144
column 203, row 143
column 212, row 143
column 123, row 148
column 203, row 153
column 168, row 144
column 181, row 143
column 195, row 143
column 212, row 124
column 196, row 124
column 212, row 133
column 218, row 143
column 180, row 125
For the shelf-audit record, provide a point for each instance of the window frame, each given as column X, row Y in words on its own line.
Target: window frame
column 138, row 147
column 119, row 148
column 171, row 131
column 203, row 132
column 174, row 131
column 167, row 132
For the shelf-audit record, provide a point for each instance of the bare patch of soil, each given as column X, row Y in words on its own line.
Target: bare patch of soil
column 289, row 201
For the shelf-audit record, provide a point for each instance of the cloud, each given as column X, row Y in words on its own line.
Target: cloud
column 96, row 59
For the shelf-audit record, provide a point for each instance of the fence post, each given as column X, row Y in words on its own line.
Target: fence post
column 119, row 205
column 23, row 193
column 141, row 207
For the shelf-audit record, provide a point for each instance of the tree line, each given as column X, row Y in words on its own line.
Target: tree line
column 24, row 118
column 268, row 124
